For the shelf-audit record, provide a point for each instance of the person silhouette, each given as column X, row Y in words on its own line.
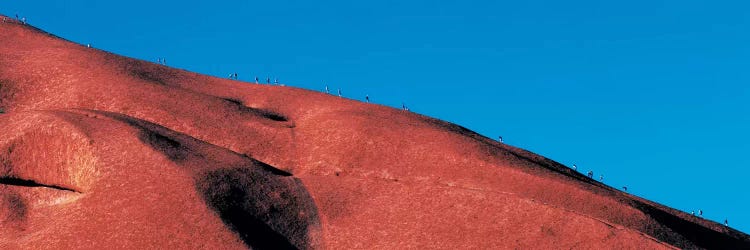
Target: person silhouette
column 256, row 80
column 726, row 223
column 327, row 91
column 500, row 139
column 625, row 188
column 575, row 167
column 339, row 92
column 591, row 174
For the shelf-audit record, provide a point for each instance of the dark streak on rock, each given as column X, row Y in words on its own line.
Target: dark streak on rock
column 267, row 211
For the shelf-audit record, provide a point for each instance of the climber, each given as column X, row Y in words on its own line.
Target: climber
column 500, row 139
column 367, row 98
column 591, row 174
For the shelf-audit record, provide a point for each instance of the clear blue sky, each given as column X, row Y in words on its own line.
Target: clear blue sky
column 652, row 94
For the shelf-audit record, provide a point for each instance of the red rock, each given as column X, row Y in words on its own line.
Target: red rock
column 99, row 150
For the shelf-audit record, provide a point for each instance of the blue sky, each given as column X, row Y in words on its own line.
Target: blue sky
column 651, row 94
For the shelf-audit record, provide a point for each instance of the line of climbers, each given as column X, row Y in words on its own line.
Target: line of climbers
column 21, row 20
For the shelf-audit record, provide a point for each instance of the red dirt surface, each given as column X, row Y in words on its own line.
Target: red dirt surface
column 99, row 150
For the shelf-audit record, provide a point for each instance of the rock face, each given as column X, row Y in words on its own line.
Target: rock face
column 99, row 150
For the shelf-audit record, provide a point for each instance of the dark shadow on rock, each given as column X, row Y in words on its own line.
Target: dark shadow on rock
column 267, row 211
column 697, row 235
column 15, row 208
column 492, row 146
column 260, row 112
column 148, row 72
column 7, row 93
column 174, row 150
column 149, row 76
column 168, row 142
